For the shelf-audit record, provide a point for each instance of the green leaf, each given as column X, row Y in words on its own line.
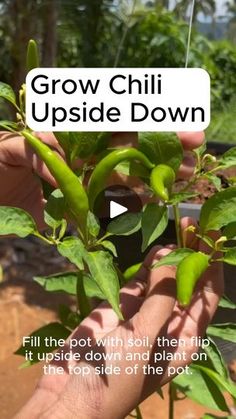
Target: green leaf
column 209, row 241
column 52, row 330
column 154, row 222
column 125, row 225
column 73, row 249
column 161, row 147
column 226, row 303
column 173, row 258
column 220, row 381
column 93, row 224
column 200, row 150
column 215, row 180
column 102, row 270
column 200, row 388
column 6, row 92
column 65, row 281
column 214, row 356
column 85, row 144
column 137, row 169
column 9, row 126
column 91, row 288
column 16, row 221
column 176, row 198
column 123, row 168
column 230, row 231
column 219, row 210
column 230, row 256
column 109, row 246
column 62, row 229
column 133, row 168
column 226, row 331
column 54, row 209
column 68, row 318
column 228, row 159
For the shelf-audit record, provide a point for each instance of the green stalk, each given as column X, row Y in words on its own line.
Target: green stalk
column 138, row 413
column 82, row 299
column 171, row 403
column 177, row 226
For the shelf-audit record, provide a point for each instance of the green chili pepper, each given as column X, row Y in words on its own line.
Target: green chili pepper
column 189, row 271
column 104, row 168
column 71, row 187
column 32, row 57
column 161, row 180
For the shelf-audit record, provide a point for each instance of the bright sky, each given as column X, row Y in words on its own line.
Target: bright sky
column 221, row 8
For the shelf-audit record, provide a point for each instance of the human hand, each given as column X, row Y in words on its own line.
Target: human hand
column 150, row 309
column 19, row 167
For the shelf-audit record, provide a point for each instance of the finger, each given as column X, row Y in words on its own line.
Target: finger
column 50, row 139
column 171, row 246
column 161, row 292
column 151, row 321
column 15, row 151
column 103, row 319
column 189, row 237
column 191, row 140
column 187, row 167
column 143, row 272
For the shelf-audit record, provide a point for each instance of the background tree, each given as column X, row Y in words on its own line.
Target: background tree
column 21, row 21
column 231, row 6
column 207, row 7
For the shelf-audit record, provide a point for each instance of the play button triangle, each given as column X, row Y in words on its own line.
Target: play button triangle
column 116, row 209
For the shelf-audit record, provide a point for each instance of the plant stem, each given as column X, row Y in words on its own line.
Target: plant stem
column 177, row 226
column 171, row 403
column 82, row 299
column 138, row 413
column 103, row 238
column 41, row 237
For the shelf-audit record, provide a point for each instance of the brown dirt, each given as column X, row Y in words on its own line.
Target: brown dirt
column 18, row 319
column 24, row 307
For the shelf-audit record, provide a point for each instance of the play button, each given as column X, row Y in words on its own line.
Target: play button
column 116, row 209
column 116, row 200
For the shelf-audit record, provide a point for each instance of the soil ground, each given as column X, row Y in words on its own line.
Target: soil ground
column 25, row 306
column 18, row 319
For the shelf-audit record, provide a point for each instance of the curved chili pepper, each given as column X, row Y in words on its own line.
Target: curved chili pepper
column 161, row 181
column 70, row 185
column 104, row 168
column 189, row 271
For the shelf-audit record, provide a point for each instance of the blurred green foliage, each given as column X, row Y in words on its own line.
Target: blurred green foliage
column 223, row 124
column 80, row 33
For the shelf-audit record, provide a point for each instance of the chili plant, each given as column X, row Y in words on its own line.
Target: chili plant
column 93, row 254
